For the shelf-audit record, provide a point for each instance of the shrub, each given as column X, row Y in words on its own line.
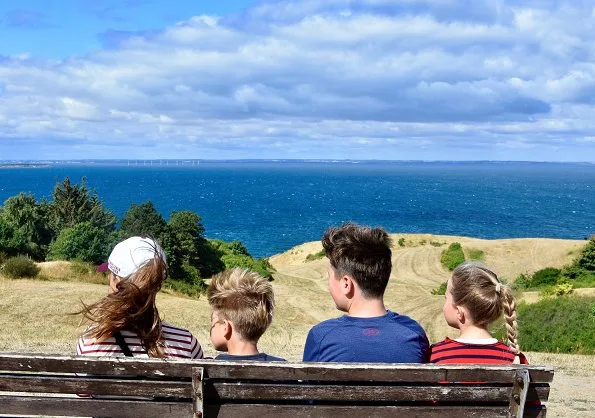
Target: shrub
column 436, row 243
column 558, row 325
column 183, row 287
column 316, row 256
column 401, row 242
column 20, row 267
column 475, row 254
column 440, row 290
column 546, row 276
column 83, row 242
column 564, row 287
column 452, row 256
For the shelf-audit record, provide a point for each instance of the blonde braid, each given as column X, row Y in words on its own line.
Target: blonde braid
column 509, row 310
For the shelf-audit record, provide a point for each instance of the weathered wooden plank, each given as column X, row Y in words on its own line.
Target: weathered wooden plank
column 84, row 407
column 273, row 371
column 109, row 366
column 230, row 391
column 96, row 386
column 332, row 411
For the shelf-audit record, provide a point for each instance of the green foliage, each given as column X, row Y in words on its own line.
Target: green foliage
column 316, row 256
column 183, row 287
column 586, row 259
column 19, row 267
column 563, row 287
column 24, row 226
column 143, row 220
column 401, row 242
column 475, row 254
column 12, row 239
column 558, row 325
column 83, row 242
column 234, row 254
column 181, row 240
column 547, row 277
column 436, row 243
column 74, row 204
column 452, row 256
column 440, row 290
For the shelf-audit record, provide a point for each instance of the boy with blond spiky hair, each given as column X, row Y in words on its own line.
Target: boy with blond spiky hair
column 243, row 305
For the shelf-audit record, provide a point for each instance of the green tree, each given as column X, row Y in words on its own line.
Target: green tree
column 73, row 204
column 83, row 242
column 29, row 223
column 12, row 240
column 143, row 220
column 586, row 259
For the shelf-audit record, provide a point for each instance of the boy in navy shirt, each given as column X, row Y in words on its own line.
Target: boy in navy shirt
column 243, row 304
column 358, row 272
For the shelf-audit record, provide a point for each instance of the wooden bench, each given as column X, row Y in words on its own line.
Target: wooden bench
column 126, row 387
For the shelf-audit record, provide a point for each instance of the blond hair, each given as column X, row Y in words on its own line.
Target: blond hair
column 132, row 307
column 477, row 288
column 244, row 298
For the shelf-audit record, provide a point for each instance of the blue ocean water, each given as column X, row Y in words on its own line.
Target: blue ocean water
column 272, row 206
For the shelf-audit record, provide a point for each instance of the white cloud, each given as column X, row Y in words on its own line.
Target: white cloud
column 360, row 79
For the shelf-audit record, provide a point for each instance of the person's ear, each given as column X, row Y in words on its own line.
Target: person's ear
column 461, row 313
column 227, row 329
column 347, row 286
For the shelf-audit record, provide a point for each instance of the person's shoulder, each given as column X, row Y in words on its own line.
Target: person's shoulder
column 175, row 331
column 406, row 321
column 327, row 325
column 445, row 342
column 268, row 357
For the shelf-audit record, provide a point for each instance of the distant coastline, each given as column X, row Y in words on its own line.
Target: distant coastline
column 23, row 165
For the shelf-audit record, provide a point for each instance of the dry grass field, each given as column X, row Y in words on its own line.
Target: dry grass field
column 35, row 316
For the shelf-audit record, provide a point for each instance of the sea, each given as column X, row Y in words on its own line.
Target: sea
column 272, row 206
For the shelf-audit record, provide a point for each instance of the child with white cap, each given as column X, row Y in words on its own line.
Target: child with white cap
column 126, row 322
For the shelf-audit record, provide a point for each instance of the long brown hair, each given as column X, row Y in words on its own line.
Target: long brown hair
column 477, row 288
column 132, row 307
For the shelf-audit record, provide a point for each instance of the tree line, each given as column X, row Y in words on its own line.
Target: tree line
column 75, row 225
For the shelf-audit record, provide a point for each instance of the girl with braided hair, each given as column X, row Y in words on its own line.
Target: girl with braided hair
column 474, row 299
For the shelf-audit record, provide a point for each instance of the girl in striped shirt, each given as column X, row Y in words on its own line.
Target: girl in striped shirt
column 126, row 322
column 474, row 299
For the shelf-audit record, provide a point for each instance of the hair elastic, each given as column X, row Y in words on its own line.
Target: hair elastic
column 498, row 287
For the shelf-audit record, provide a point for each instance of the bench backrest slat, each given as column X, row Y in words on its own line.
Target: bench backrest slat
column 253, row 392
column 43, row 406
column 97, row 386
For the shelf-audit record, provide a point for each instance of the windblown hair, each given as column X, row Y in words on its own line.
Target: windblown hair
column 477, row 288
column 244, row 298
column 360, row 252
column 132, row 308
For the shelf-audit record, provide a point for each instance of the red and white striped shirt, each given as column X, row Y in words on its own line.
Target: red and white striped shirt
column 455, row 352
column 179, row 343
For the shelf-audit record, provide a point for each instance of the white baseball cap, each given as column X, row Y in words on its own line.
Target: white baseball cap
column 130, row 255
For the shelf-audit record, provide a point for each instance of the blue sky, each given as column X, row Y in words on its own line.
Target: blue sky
column 358, row 79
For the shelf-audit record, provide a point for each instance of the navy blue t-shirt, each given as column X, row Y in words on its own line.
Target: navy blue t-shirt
column 391, row 338
column 249, row 357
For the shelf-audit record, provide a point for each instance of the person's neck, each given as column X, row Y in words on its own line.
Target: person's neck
column 241, row 348
column 366, row 308
column 471, row 331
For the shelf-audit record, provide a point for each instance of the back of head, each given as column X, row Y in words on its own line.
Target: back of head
column 142, row 270
column 362, row 253
column 245, row 298
column 477, row 288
